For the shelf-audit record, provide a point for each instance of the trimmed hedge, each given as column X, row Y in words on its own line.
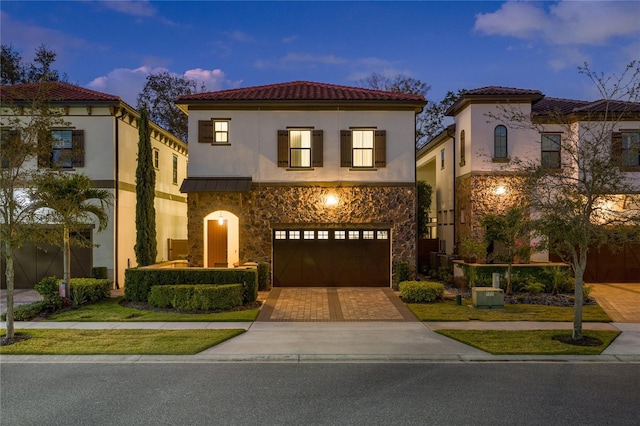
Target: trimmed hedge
column 264, row 276
column 89, row 289
column 139, row 281
column 421, row 291
column 199, row 297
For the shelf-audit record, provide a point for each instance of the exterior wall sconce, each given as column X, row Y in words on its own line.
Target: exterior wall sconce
column 331, row 200
column 220, row 220
column 500, row 190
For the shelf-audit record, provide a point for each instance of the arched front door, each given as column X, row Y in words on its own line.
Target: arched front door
column 221, row 237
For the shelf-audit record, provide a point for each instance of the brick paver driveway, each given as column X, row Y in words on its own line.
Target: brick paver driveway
column 620, row 301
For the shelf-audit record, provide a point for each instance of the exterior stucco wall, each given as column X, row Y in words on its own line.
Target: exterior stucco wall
column 265, row 206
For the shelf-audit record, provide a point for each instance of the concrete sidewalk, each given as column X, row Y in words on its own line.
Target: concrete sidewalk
column 344, row 342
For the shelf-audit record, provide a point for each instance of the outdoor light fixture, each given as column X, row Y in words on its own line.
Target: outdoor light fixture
column 331, row 200
column 221, row 219
column 500, row 190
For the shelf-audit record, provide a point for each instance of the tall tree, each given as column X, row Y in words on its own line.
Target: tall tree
column 432, row 120
column 146, row 247
column 26, row 120
column 590, row 199
column 14, row 71
column 158, row 96
column 71, row 201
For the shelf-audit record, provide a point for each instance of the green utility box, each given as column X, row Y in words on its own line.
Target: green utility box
column 487, row 298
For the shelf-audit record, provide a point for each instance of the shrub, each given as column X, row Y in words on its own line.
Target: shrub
column 421, row 291
column 26, row 312
column 48, row 289
column 138, row 281
column 534, row 287
column 99, row 272
column 199, row 297
column 403, row 273
column 89, row 289
column 264, row 276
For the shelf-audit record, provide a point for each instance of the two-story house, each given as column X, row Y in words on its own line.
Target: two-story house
column 468, row 163
column 317, row 179
column 102, row 132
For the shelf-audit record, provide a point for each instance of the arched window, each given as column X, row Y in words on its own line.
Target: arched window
column 462, row 149
column 500, row 142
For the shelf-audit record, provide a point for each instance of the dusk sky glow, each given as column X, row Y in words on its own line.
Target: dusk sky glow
column 111, row 46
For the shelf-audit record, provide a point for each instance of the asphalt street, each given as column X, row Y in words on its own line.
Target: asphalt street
column 453, row 393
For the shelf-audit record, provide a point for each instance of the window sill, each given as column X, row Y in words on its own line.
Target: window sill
column 300, row 169
column 363, row 169
column 500, row 160
column 462, row 163
column 220, row 144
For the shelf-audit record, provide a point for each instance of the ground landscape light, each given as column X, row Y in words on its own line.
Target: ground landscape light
column 500, row 190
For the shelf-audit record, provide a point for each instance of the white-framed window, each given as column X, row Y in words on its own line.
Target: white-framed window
column 354, row 235
column 500, row 142
column 294, row 235
column 281, row 235
column 368, row 235
column 156, row 159
column 631, row 149
column 383, row 235
column 550, row 155
column 340, row 235
column 221, row 131
column 309, row 235
column 323, row 235
column 62, row 143
column 362, row 145
column 300, row 148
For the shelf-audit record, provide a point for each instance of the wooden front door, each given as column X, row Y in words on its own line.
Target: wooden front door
column 217, row 244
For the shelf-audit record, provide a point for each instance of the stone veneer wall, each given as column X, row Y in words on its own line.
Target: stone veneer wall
column 475, row 194
column 265, row 205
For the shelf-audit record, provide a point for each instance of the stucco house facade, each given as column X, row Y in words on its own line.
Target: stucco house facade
column 104, row 131
column 468, row 164
column 316, row 179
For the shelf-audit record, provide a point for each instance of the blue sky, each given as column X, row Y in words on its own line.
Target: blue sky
column 111, row 46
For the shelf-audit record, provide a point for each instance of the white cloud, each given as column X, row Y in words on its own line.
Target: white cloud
column 564, row 23
column 128, row 83
column 135, row 8
column 241, row 36
column 321, row 59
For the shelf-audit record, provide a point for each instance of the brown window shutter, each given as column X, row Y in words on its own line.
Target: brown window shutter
column 283, row 148
column 317, row 148
column 346, row 156
column 616, row 145
column 45, row 150
column 77, row 139
column 205, row 131
column 381, row 148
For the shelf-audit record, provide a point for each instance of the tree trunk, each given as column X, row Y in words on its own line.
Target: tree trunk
column 509, row 278
column 9, row 275
column 578, row 295
column 67, row 263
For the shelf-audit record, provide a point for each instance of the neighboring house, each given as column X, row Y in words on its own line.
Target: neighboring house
column 103, row 132
column 464, row 165
column 315, row 178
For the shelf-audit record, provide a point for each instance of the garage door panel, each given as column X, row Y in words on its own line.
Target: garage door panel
column 331, row 262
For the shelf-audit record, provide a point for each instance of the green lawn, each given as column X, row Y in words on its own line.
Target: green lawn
column 528, row 342
column 116, row 342
column 111, row 310
column 449, row 311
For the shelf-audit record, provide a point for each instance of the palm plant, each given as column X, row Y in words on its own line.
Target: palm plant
column 70, row 200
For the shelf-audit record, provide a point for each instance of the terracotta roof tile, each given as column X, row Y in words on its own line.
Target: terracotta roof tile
column 568, row 106
column 55, row 91
column 301, row 91
column 556, row 105
column 502, row 91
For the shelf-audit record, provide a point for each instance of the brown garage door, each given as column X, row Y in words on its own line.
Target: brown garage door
column 331, row 258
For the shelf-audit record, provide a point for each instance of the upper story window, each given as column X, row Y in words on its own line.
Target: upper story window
column 64, row 149
column 500, row 142
column 363, row 148
column 442, row 158
column 300, row 148
column 631, row 149
column 175, row 170
column 463, row 146
column 156, row 159
column 214, row 131
column 550, row 156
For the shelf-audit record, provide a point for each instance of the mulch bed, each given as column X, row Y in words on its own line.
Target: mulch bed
column 143, row 306
column 585, row 341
